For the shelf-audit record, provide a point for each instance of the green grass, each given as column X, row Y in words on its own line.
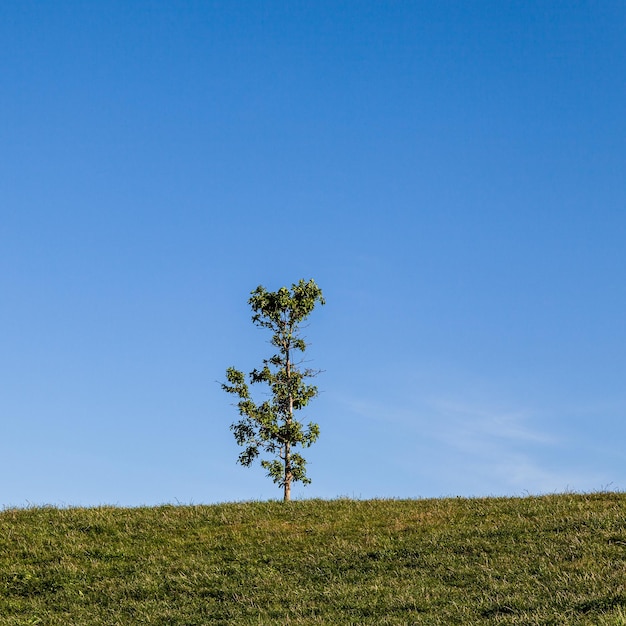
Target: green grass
column 536, row 560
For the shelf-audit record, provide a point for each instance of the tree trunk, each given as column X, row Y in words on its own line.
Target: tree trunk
column 288, row 476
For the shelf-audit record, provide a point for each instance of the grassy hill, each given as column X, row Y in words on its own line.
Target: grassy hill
column 536, row 560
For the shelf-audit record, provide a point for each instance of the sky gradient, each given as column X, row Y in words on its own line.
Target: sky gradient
column 452, row 175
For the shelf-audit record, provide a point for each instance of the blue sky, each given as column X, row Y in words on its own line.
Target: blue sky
column 452, row 174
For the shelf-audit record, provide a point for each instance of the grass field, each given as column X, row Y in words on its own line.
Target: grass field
column 536, row 560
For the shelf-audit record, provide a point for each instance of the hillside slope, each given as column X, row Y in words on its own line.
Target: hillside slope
column 537, row 560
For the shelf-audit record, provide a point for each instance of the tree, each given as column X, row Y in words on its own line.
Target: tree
column 271, row 426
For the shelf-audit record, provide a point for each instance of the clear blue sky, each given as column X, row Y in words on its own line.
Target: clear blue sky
column 452, row 174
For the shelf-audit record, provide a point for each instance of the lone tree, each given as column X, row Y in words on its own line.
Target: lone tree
column 271, row 426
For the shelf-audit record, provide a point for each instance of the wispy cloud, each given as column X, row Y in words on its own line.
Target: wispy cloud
column 462, row 444
column 471, row 424
column 509, row 448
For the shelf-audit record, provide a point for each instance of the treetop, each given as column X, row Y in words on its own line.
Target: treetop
column 285, row 306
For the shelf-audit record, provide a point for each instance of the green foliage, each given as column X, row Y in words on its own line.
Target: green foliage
column 552, row 560
column 270, row 426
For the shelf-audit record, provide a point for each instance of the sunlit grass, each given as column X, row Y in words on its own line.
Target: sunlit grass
column 535, row 560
